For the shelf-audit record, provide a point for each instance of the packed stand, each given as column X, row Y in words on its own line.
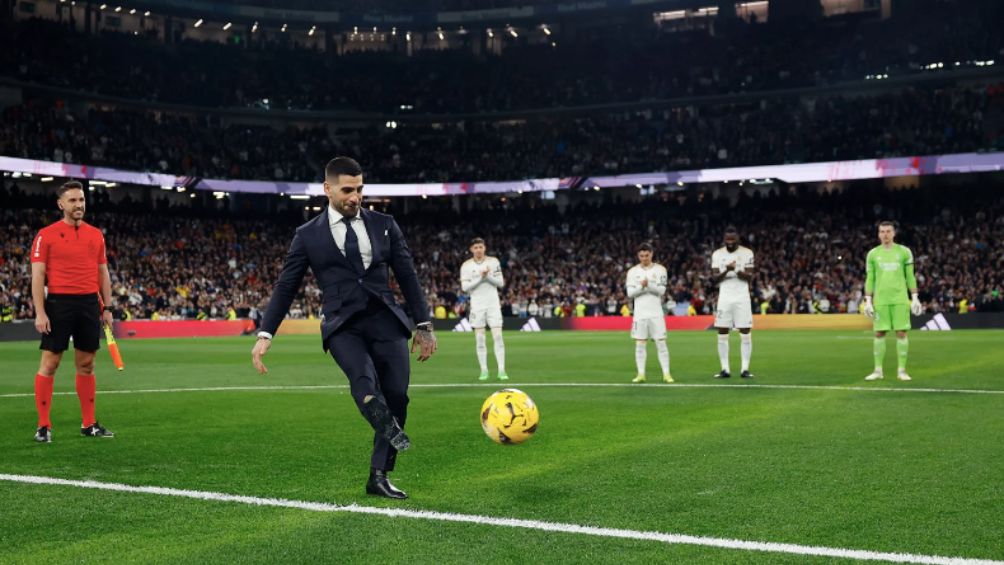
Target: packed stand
column 812, row 265
column 758, row 132
column 601, row 65
column 176, row 264
column 169, row 264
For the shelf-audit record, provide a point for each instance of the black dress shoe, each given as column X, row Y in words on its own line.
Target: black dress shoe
column 380, row 485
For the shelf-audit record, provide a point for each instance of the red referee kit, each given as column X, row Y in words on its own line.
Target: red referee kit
column 71, row 255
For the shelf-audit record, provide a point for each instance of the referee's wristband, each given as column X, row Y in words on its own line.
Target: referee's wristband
column 424, row 326
column 264, row 335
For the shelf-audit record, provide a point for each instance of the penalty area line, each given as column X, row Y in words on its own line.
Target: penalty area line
column 555, row 527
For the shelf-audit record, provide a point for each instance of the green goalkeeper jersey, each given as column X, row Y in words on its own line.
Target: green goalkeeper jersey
column 890, row 275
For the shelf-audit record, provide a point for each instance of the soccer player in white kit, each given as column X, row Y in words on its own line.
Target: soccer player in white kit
column 481, row 278
column 732, row 270
column 646, row 283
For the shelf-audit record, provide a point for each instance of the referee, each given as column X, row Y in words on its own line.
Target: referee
column 69, row 257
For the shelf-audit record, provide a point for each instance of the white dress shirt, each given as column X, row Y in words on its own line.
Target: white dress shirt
column 338, row 232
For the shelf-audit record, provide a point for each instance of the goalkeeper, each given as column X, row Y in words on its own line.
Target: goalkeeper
column 889, row 278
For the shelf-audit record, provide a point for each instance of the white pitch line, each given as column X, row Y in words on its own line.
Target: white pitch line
column 673, row 539
column 280, row 388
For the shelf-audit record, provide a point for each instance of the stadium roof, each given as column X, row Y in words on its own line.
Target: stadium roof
column 397, row 12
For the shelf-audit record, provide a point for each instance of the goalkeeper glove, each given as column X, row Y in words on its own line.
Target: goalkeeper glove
column 916, row 308
column 868, row 310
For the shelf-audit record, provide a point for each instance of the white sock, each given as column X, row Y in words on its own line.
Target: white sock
column 482, row 349
column 499, row 348
column 640, row 354
column 723, row 351
column 663, row 350
column 747, row 349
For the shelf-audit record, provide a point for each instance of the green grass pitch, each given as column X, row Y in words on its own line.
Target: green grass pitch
column 907, row 472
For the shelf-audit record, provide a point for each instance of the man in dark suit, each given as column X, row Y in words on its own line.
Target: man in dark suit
column 366, row 331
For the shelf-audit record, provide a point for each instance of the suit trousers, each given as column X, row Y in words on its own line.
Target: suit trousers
column 371, row 348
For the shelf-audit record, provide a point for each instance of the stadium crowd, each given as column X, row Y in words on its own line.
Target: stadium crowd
column 557, row 261
column 757, row 132
column 595, row 65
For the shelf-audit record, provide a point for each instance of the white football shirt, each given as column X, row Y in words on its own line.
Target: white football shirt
column 482, row 289
column 733, row 287
column 647, row 299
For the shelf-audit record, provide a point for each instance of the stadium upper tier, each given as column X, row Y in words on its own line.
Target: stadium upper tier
column 761, row 131
column 623, row 63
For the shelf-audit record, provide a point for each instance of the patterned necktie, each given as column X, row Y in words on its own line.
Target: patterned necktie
column 352, row 246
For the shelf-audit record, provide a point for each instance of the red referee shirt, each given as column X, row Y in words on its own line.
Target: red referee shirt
column 71, row 256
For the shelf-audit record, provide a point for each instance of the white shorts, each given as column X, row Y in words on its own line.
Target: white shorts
column 648, row 328
column 734, row 314
column 491, row 317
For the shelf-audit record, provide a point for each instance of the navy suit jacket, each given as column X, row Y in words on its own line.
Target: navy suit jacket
column 345, row 291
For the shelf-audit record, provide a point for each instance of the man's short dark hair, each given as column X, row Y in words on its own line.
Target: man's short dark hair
column 731, row 230
column 645, row 246
column 342, row 166
column 69, row 185
column 476, row 241
column 892, row 224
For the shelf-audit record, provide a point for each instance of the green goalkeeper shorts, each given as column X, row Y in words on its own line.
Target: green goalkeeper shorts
column 892, row 317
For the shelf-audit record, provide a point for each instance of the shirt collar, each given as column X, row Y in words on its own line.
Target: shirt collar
column 334, row 216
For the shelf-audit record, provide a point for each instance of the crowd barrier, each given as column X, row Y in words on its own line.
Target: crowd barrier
column 971, row 321
column 24, row 330
column 20, row 330
column 180, row 328
column 760, row 322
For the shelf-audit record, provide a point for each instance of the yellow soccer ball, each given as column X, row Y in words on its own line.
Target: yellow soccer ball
column 509, row 416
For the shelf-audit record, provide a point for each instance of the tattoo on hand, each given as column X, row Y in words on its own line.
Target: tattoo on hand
column 425, row 337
